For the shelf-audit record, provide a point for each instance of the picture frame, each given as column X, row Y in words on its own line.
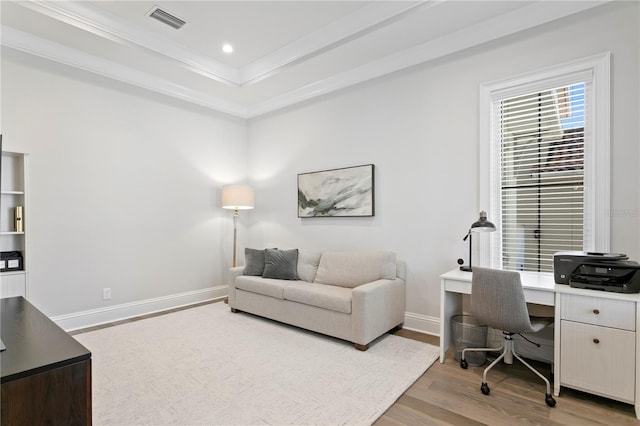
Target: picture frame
column 344, row 192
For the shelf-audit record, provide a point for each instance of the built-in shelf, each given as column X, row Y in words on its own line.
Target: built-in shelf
column 14, row 193
column 16, row 272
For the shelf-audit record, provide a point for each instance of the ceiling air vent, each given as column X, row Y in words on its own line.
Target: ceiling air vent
column 167, row 18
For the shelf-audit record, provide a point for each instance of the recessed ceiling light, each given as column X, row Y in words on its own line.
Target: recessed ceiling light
column 227, row 48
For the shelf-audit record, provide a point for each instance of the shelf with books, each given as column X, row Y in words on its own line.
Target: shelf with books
column 14, row 224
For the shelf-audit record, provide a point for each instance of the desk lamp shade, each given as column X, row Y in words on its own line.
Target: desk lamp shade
column 481, row 225
column 236, row 197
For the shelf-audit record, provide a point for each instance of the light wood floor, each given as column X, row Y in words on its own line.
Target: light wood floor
column 448, row 395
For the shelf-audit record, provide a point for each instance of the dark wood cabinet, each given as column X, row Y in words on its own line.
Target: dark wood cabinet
column 46, row 373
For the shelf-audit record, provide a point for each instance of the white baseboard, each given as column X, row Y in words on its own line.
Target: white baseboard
column 93, row 317
column 422, row 323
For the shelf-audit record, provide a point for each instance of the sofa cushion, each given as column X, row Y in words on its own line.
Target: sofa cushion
column 329, row 297
column 308, row 265
column 254, row 262
column 351, row 269
column 259, row 285
column 281, row 264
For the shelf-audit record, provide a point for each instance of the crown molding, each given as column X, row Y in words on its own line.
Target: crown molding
column 337, row 32
column 105, row 24
column 500, row 26
column 497, row 27
column 37, row 46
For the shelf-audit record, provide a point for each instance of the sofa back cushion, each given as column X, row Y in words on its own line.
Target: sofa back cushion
column 351, row 269
column 308, row 265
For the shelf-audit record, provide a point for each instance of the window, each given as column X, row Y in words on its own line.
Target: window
column 541, row 138
column 544, row 164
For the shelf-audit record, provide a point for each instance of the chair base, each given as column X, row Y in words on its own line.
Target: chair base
column 507, row 354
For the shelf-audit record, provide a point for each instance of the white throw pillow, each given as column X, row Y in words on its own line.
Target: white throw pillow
column 308, row 265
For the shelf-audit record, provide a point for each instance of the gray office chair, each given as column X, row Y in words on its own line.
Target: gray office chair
column 497, row 300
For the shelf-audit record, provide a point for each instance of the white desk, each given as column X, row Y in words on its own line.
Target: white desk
column 595, row 339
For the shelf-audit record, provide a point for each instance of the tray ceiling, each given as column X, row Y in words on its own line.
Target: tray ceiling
column 285, row 52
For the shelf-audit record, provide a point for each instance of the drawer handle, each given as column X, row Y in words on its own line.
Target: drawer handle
column 596, row 311
column 596, row 341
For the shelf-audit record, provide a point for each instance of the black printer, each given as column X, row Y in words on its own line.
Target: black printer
column 597, row 271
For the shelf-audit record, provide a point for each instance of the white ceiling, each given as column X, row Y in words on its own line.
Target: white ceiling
column 285, row 51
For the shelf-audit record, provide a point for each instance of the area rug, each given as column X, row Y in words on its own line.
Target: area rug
column 208, row 366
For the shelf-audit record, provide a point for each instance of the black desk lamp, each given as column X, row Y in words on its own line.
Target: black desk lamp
column 482, row 225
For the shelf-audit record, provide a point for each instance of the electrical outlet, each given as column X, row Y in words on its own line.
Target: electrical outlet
column 106, row 293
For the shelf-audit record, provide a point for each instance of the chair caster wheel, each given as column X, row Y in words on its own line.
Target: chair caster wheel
column 549, row 400
column 464, row 364
column 485, row 389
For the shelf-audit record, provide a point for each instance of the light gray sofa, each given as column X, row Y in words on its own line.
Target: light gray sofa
column 355, row 296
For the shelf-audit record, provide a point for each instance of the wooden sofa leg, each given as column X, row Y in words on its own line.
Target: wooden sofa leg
column 361, row 347
column 234, row 310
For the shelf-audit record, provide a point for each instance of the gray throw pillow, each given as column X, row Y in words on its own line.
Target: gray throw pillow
column 281, row 264
column 254, row 262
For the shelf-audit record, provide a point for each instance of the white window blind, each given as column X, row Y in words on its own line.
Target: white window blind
column 542, row 173
column 538, row 127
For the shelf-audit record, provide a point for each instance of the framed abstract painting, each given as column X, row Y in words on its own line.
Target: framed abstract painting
column 346, row 192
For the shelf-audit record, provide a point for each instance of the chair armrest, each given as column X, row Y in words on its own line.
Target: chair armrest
column 376, row 308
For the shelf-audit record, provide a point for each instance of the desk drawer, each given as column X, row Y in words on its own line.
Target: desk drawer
column 599, row 360
column 604, row 312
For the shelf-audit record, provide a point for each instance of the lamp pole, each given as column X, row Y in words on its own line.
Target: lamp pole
column 467, row 268
column 235, row 233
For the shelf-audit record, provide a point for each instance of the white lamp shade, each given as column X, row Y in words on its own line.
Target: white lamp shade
column 237, row 197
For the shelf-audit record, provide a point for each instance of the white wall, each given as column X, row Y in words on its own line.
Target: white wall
column 420, row 128
column 124, row 186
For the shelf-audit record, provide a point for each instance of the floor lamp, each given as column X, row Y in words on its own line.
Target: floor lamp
column 236, row 197
column 482, row 225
